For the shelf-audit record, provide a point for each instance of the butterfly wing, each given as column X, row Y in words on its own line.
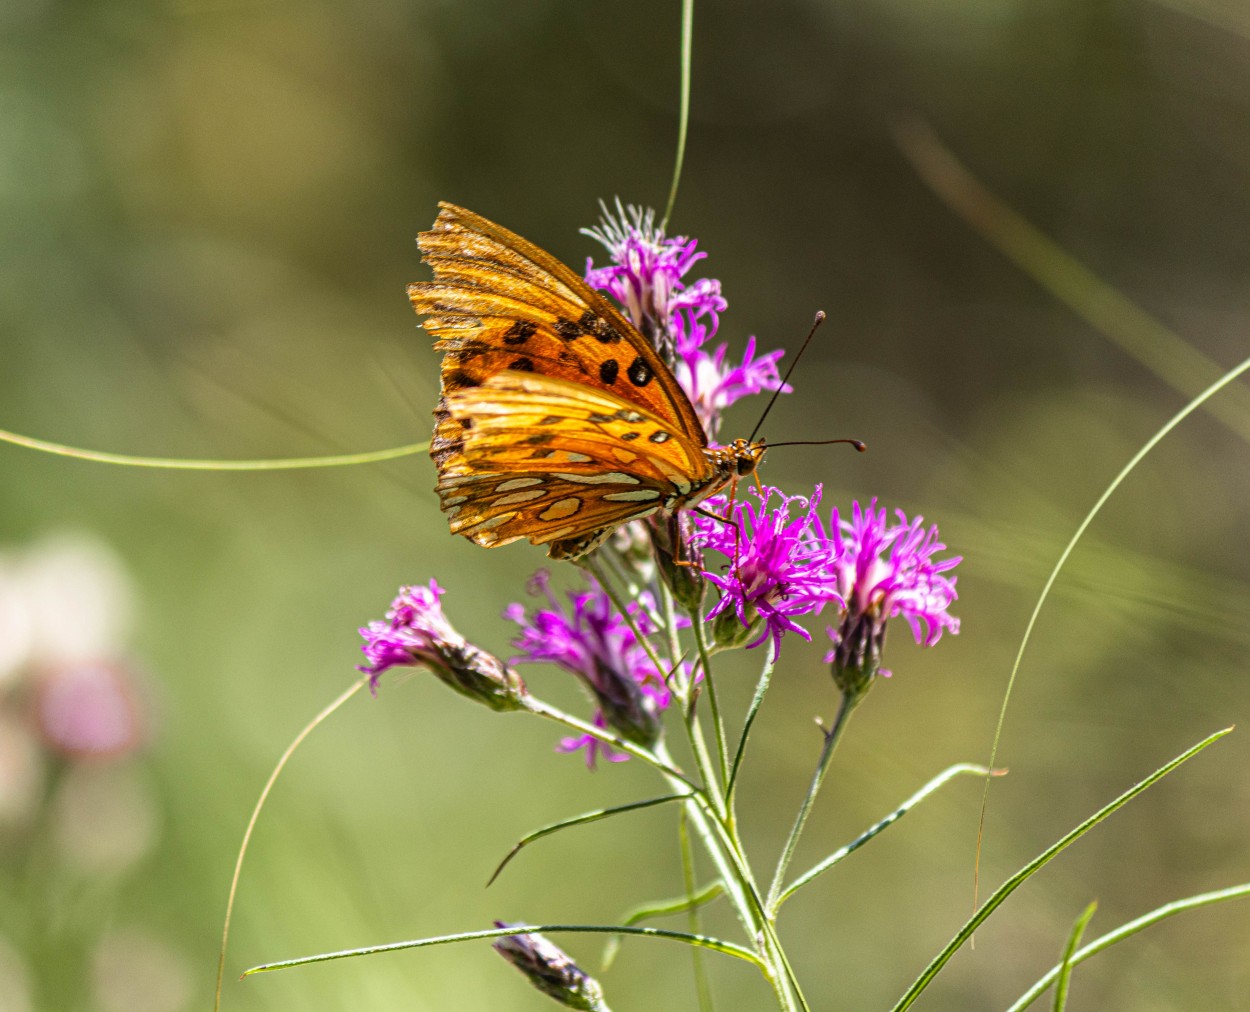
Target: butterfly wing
column 554, row 461
column 498, row 302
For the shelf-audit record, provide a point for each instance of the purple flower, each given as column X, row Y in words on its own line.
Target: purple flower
column 646, row 277
column 782, row 564
column 417, row 633
column 594, row 642
column 886, row 570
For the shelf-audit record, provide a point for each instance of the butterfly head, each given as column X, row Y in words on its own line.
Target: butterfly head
column 743, row 456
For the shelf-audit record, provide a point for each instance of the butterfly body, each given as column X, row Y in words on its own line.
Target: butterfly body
column 558, row 421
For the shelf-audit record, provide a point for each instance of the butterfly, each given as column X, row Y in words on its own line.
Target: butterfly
column 557, row 421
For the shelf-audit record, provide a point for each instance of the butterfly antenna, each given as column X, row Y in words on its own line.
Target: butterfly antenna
column 859, row 444
column 820, row 318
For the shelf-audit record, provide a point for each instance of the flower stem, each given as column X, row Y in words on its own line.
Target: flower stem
column 718, row 724
column 701, row 985
column 832, row 736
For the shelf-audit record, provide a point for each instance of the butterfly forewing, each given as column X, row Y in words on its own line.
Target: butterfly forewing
column 558, row 421
column 498, row 302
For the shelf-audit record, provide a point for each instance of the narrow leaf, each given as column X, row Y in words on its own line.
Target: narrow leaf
column 703, row 941
column 661, row 908
column 761, row 689
column 1066, row 964
column 942, row 778
column 579, row 820
column 1129, row 929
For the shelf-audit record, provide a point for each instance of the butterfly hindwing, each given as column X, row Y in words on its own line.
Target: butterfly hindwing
column 549, row 460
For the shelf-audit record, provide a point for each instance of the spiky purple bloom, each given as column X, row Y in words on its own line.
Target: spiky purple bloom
column 886, row 570
column 591, row 640
column 646, row 277
column 782, row 563
column 417, row 633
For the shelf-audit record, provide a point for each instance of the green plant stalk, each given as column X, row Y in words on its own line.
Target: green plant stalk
column 832, row 736
column 702, row 987
column 718, row 724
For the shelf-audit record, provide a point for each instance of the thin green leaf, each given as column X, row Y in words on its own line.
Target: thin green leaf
column 942, row 778
column 702, row 986
column 661, row 908
column 579, row 820
column 1127, row 930
column 1066, row 964
column 1016, row 880
column 703, row 941
column 683, row 121
column 761, row 689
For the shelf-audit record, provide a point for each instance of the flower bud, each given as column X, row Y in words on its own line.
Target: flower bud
column 416, row 633
column 680, row 563
column 551, row 971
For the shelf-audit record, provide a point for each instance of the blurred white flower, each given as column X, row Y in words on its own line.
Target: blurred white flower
column 16, row 630
column 21, row 774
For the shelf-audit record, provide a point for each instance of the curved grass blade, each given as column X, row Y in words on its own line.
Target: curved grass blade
column 1137, row 458
column 1066, row 964
column 180, row 464
column 1131, row 928
column 703, row 941
column 661, row 908
column 579, row 820
column 255, row 817
column 1044, row 858
column 942, row 778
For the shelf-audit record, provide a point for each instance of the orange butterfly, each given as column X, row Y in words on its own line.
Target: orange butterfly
column 558, row 420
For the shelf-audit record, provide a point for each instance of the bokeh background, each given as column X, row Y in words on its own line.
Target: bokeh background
column 208, row 217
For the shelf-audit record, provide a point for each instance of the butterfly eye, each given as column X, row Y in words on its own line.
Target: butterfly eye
column 746, row 465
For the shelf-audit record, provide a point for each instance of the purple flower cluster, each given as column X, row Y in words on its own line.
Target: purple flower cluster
column 594, row 642
column 782, row 563
column 646, row 277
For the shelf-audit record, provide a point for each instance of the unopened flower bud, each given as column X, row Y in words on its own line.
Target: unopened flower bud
column 416, row 633
column 680, row 563
column 551, row 970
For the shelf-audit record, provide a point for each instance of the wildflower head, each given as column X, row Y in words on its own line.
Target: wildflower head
column 550, row 970
column 416, row 633
column 590, row 639
column 782, row 564
column 646, row 276
column 885, row 570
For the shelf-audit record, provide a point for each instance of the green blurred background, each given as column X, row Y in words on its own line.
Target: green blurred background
column 208, row 217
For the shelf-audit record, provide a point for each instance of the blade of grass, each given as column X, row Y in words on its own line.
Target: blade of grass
column 1127, row 930
column 180, row 464
column 1166, row 354
column 661, row 908
column 761, row 689
column 1116, row 482
column 1066, row 964
column 683, row 120
column 1015, row 881
column 255, row 817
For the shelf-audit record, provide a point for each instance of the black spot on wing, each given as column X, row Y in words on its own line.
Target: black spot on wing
column 608, row 371
column 520, row 332
column 567, row 329
column 660, row 436
column 640, row 374
column 522, row 365
column 629, row 437
column 598, row 327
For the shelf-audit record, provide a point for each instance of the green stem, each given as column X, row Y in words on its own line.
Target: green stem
column 832, row 736
column 701, row 985
column 718, row 724
column 683, row 122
